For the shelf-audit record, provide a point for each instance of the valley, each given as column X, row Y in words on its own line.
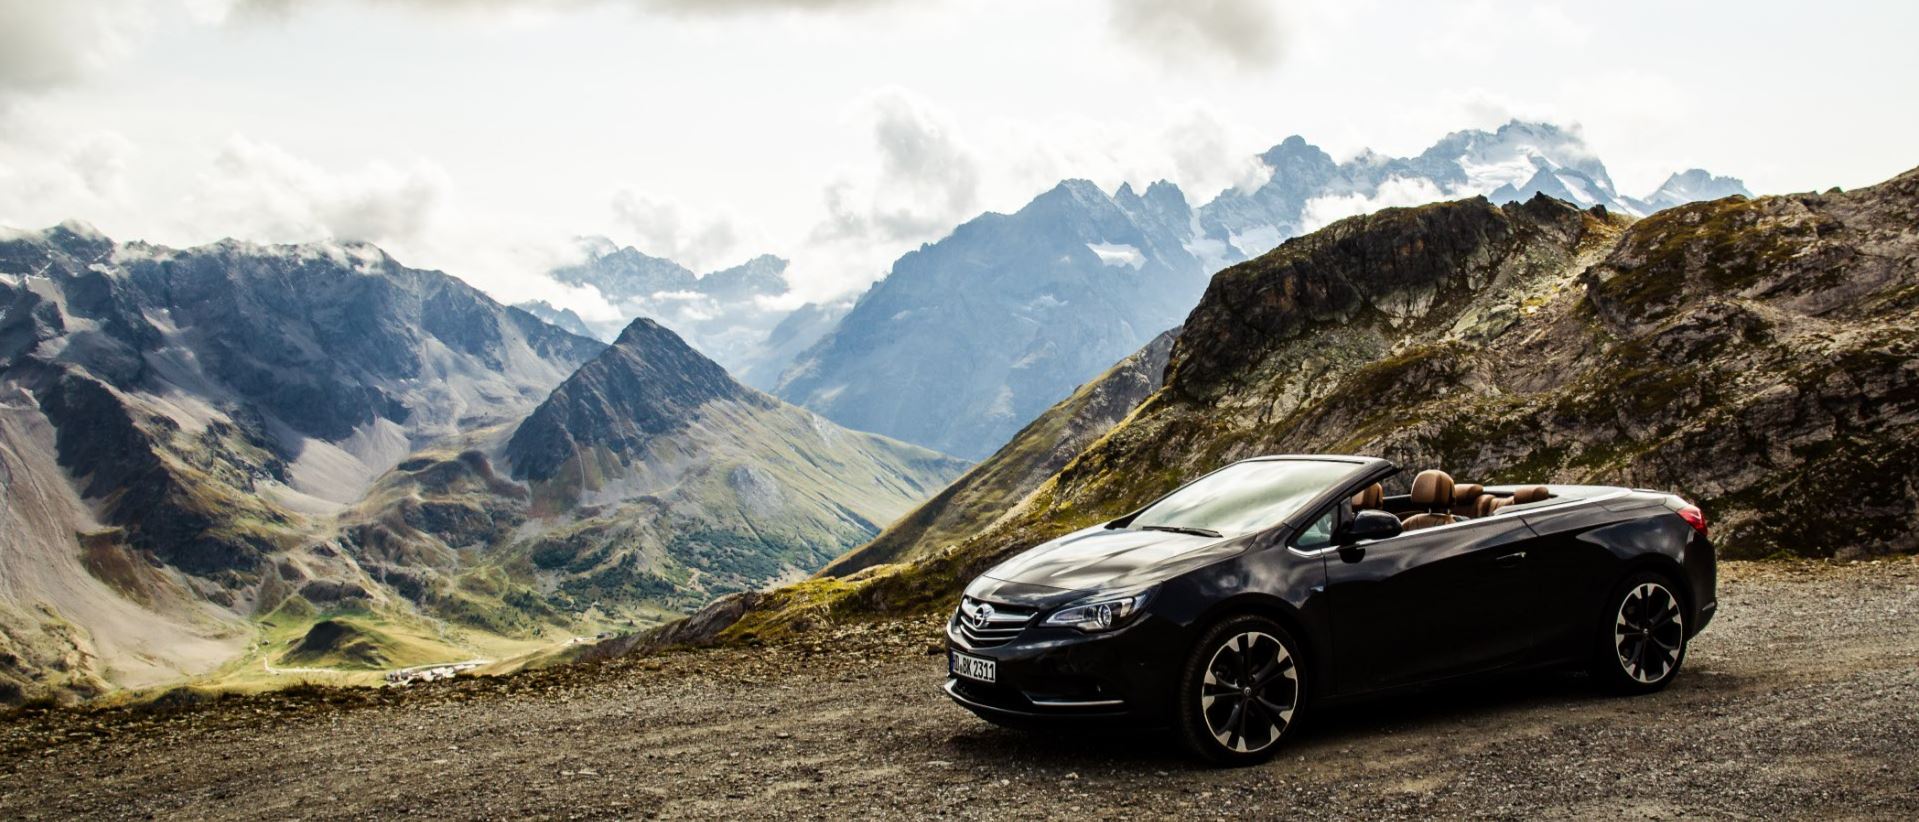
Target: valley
column 231, row 459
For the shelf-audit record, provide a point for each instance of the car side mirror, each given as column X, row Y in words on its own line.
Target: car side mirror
column 1366, row 526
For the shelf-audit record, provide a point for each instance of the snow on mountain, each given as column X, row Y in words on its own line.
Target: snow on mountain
column 1691, row 185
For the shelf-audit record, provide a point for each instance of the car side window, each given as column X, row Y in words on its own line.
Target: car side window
column 1319, row 534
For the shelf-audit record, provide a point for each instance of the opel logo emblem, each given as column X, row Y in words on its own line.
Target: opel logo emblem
column 982, row 616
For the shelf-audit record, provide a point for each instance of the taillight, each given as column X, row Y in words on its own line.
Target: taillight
column 1695, row 518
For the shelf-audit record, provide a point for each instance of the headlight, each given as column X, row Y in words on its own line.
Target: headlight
column 1099, row 613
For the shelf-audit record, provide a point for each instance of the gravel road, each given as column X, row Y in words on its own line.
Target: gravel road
column 1801, row 700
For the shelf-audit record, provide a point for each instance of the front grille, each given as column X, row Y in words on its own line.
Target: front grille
column 985, row 624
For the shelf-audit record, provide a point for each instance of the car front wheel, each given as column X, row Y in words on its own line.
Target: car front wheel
column 1643, row 641
column 1241, row 691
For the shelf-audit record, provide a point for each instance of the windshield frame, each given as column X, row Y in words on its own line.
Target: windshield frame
column 1362, row 470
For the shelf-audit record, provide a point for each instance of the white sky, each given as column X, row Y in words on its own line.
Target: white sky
column 478, row 136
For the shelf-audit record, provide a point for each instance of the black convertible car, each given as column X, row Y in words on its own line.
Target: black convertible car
column 1226, row 607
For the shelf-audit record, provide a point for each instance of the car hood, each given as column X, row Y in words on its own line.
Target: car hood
column 1101, row 558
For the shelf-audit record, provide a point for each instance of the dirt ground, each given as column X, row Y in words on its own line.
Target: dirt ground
column 1800, row 700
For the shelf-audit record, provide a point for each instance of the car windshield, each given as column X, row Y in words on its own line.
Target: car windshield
column 1242, row 497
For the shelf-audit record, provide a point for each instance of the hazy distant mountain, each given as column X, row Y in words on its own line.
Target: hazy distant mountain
column 1688, row 186
column 1309, row 189
column 731, row 315
column 565, row 318
column 796, row 333
column 969, row 338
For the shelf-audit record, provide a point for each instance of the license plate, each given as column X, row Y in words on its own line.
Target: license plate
column 974, row 668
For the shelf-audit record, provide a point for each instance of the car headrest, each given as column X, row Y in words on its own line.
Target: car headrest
column 1467, row 494
column 1433, row 489
column 1485, row 505
column 1530, row 493
column 1373, row 497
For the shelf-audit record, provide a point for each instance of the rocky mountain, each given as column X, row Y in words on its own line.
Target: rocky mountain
column 224, row 459
column 1757, row 356
column 969, row 338
column 564, row 318
column 173, row 424
column 648, row 482
column 737, row 316
column 794, row 334
column 1691, row 185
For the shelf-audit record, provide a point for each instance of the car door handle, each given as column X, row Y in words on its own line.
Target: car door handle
column 1509, row 560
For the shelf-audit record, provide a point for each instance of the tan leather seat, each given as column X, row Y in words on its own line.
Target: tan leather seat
column 1530, row 493
column 1371, row 499
column 1433, row 497
column 1466, row 499
column 1486, row 505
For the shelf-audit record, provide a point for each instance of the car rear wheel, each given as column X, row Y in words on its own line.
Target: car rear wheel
column 1643, row 641
column 1241, row 691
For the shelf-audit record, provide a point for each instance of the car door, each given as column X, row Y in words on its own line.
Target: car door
column 1574, row 572
column 1430, row 603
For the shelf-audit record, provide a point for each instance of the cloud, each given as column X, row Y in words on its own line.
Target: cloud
column 720, row 7
column 927, row 179
column 259, row 191
column 99, row 160
column 663, row 228
column 1395, row 191
column 46, row 45
column 50, row 172
column 1244, row 33
column 1209, row 155
column 275, row 9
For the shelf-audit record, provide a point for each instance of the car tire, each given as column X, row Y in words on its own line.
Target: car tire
column 1223, row 718
column 1641, row 642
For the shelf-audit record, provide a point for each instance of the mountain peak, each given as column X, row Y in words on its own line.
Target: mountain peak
column 647, row 384
column 763, row 275
column 1293, row 151
column 1079, row 188
column 1696, row 184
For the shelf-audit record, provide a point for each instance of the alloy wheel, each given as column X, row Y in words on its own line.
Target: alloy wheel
column 1250, row 692
column 1649, row 633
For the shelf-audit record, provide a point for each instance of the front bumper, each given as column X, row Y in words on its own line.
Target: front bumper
column 1062, row 673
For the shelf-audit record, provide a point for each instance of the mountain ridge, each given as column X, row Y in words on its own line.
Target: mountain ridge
column 219, row 455
column 969, row 337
